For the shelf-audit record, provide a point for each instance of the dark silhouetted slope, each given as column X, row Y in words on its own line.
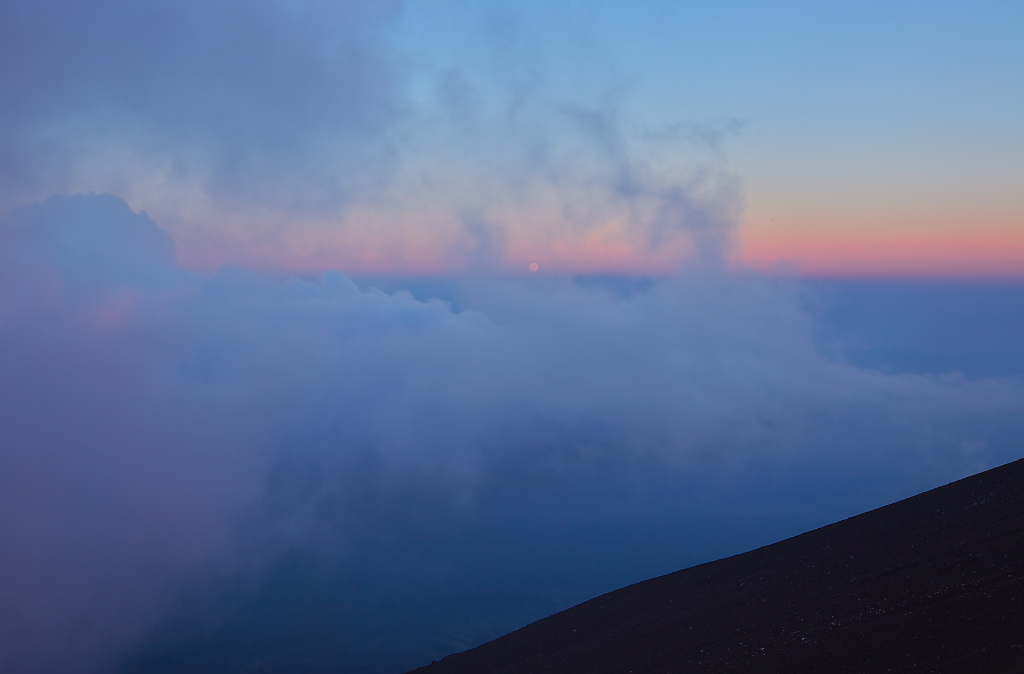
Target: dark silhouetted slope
column 933, row 583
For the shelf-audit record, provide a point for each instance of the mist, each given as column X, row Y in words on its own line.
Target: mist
column 167, row 431
column 298, row 138
column 279, row 393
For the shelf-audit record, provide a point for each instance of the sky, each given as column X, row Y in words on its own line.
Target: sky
column 341, row 336
column 881, row 139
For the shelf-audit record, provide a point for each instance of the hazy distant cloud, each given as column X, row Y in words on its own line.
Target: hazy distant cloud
column 306, row 136
column 248, row 100
column 148, row 412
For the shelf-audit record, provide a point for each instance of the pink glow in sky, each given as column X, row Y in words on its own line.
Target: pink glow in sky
column 450, row 138
column 169, row 439
column 841, row 252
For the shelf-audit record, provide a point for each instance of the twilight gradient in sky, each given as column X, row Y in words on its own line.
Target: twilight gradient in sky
column 439, row 137
column 278, row 391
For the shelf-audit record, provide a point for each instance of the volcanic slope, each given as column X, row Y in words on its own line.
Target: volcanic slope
column 933, row 583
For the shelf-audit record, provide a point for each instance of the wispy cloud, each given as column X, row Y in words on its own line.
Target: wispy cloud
column 303, row 138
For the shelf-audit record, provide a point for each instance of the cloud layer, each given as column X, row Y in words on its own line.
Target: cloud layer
column 189, row 448
column 155, row 421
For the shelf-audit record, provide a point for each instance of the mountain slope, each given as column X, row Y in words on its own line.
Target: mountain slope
column 933, row 583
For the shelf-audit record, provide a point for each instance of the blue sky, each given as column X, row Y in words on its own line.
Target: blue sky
column 844, row 122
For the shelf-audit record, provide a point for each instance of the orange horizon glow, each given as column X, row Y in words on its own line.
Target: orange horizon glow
column 438, row 249
column 852, row 259
column 842, row 254
column 884, row 234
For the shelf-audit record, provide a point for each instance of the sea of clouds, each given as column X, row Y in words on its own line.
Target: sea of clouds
column 474, row 457
column 155, row 420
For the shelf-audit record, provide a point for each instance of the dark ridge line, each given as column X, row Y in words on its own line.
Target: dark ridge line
column 930, row 583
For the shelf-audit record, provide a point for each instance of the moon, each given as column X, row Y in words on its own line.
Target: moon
column 534, row 266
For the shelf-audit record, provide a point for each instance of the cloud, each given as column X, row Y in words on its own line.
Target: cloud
column 308, row 136
column 166, row 433
column 267, row 101
column 155, row 421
